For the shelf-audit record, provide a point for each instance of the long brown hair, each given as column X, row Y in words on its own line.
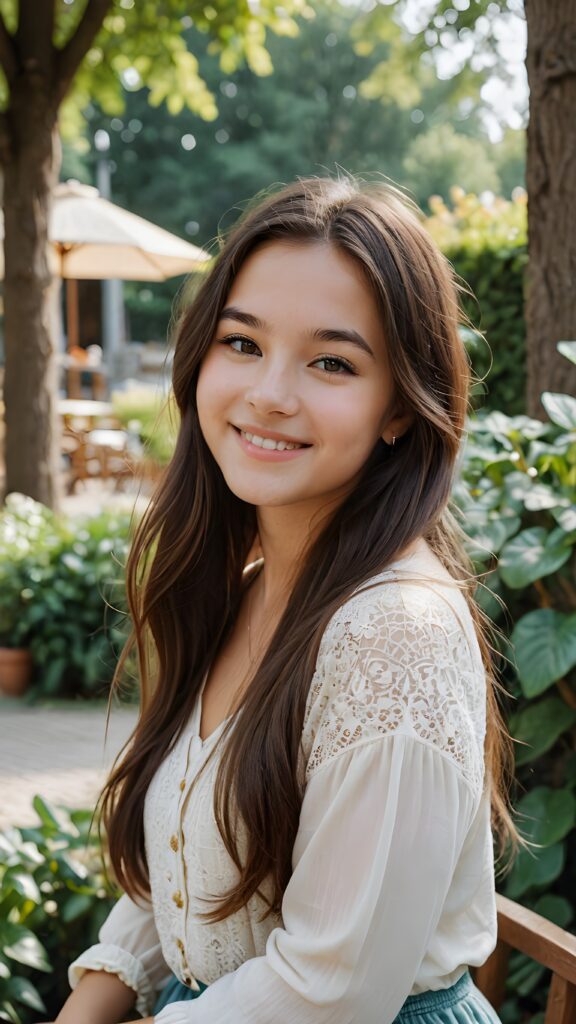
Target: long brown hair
column 185, row 571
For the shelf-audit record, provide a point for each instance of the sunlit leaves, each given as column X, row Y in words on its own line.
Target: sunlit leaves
column 152, row 39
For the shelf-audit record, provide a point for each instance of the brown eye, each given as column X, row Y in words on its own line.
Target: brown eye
column 336, row 361
column 241, row 338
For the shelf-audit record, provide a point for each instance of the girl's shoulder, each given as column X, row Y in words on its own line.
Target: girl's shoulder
column 400, row 656
column 415, row 592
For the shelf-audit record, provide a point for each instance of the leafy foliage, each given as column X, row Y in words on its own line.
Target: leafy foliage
column 147, row 44
column 442, row 156
column 54, row 896
column 64, row 594
column 487, row 246
column 517, row 497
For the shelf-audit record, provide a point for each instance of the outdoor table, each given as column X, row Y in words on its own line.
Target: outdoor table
column 84, row 408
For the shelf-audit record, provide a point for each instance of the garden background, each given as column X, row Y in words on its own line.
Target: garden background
column 196, row 108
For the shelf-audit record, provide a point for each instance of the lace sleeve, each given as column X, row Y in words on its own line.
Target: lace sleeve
column 400, row 657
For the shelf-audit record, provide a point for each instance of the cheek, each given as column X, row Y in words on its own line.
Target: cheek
column 351, row 417
column 211, row 387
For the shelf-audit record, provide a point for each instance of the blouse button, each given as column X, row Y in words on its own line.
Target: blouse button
column 183, row 784
column 174, row 843
column 177, row 899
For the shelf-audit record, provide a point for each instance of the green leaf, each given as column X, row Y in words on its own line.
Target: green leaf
column 542, row 496
column 9, row 1012
column 566, row 518
column 55, row 817
column 23, row 883
column 535, row 868
column 539, row 725
column 560, row 408
column 486, row 535
column 555, row 908
column 568, row 349
column 546, row 815
column 75, row 906
column 23, row 991
column 532, row 554
column 18, row 943
column 524, row 975
column 545, row 648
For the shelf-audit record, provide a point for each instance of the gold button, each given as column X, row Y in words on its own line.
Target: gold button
column 183, row 784
column 180, row 945
column 177, row 899
column 174, row 842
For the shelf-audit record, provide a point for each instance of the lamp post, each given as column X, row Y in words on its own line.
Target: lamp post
column 112, row 295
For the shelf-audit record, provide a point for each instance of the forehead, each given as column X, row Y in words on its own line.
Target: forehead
column 310, row 285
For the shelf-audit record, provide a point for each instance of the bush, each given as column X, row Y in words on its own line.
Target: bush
column 517, row 498
column 67, row 589
column 54, row 896
column 154, row 417
column 488, row 249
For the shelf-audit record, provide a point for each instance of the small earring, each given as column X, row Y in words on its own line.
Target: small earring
column 393, row 440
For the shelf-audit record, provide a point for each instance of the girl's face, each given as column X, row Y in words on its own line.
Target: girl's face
column 298, row 353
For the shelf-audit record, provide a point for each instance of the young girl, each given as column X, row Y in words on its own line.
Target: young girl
column 301, row 821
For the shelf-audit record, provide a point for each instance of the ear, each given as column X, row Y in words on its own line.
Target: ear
column 397, row 426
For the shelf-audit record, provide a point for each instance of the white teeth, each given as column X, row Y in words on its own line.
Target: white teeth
column 267, row 442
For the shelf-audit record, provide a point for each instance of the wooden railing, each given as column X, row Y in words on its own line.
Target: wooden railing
column 542, row 941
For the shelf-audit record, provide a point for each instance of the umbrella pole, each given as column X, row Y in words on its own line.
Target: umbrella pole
column 72, row 332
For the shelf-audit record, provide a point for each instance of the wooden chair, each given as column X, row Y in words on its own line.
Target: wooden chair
column 544, row 942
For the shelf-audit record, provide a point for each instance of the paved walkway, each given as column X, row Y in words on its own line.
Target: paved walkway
column 59, row 753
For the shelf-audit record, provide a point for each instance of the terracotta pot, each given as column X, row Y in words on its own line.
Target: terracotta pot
column 15, row 671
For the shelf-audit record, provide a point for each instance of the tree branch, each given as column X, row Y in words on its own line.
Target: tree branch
column 68, row 60
column 8, row 57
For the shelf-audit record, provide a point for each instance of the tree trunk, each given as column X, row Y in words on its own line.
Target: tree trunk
column 551, row 184
column 30, row 155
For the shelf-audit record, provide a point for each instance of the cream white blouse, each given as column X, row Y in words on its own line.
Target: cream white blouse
column 392, row 891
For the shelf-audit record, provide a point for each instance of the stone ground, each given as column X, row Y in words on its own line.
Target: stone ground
column 60, row 751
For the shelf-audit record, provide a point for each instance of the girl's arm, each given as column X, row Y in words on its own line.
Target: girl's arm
column 126, row 964
column 99, row 998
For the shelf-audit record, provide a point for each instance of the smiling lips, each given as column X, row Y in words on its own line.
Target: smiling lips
column 261, row 437
column 268, row 448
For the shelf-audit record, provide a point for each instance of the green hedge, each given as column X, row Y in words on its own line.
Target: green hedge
column 487, row 247
column 62, row 595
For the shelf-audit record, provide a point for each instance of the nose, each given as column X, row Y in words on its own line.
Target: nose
column 271, row 390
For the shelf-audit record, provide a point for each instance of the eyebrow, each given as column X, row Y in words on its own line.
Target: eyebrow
column 321, row 334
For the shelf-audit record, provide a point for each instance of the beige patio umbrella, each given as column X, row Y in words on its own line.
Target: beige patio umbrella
column 93, row 238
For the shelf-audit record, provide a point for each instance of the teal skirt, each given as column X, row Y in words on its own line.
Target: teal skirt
column 462, row 1003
